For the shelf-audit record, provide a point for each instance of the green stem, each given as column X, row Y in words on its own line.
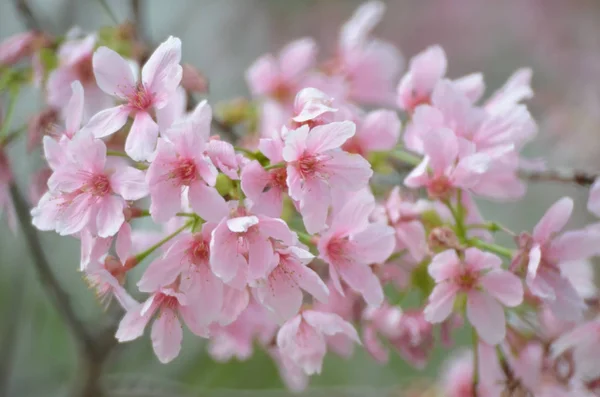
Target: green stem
column 496, row 249
column 116, row 153
column 305, row 238
column 5, row 140
column 458, row 220
column 475, row 362
column 247, row 152
column 407, row 157
column 274, row 166
column 143, row 255
column 10, row 111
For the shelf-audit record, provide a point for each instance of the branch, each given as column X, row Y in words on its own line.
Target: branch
column 49, row 282
column 559, row 175
column 27, row 15
column 138, row 20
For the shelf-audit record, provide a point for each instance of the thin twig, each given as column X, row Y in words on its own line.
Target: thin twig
column 581, row 178
column 27, row 15
column 138, row 20
column 109, row 11
column 9, row 339
column 49, row 282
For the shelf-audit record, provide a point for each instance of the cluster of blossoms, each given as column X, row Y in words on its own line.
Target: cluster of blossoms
column 289, row 240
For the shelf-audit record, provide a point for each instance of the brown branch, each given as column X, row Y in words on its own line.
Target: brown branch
column 50, row 283
column 27, row 15
column 558, row 175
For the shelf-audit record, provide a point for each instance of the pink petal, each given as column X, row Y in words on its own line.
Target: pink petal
column 471, row 85
column 504, row 286
column 123, row 244
column 161, row 272
column 172, row 111
column 278, row 230
column 133, row 323
column 166, row 335
column 260, row 258
column 553, row 220
column 374, row 244
column 308, row 280
column 444, row 265
column 141, row 141
column 235, row 302
column 107, row 121
column 360, row 278
column 205, row 290
column 280, row 295
column 225, row 260
column 295, row 144
column 242, row 223
column 162, row 73
column 380, row 130
column 207, row 202
column 594, row 199
column 568, row 304
column 74, row 109
column 113, row 74
column 262, row 75
column 329, row 136
column 165, row 201
column 110, row 216
column 349, row 172
column 477, row 260
column 297, row 57
column 487, row 316
column 330, row 324
column 354, row 32
column 129, row 182
column 87, row 153
column 575, row 245
column 441, row 302
column 75, row 216
column 315, row 205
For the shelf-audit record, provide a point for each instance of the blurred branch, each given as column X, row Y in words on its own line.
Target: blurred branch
column 27, row 15
column 138, row 20
column 47, row 278
column 565, row 176
column 9, row 338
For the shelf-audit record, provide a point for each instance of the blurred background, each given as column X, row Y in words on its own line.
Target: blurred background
column 559, row 40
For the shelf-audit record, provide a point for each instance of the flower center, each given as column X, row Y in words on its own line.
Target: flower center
column 85, row 70
column 467, row 280
column 185, row 171
column 439, row 188
column 337, row 249
column 140, row 98
column 199, row 251
column 308, row 165
column 282, row 92
column 278, row 179
column 99, row 185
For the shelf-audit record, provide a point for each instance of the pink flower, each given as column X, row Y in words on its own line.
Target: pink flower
column 369, row 66
column 593, row 204
column 425, row 71
column 6, row 204
column 88, row 191
column 379, row 130
column 351, row 244
column 187, row 258
column 302, row 338
column 265, row 189
column 180, row 163
column 223, row 156
column 282, row 77
column 75, row 64
column 281, row 290
column 486, row 285
column 317, row 169
column 160, row 77
column 18, row 46
column 242, row 246
column 544, row 253
column 166, row 331
column 106, row 276
column 405, row 217
column 452, row 163
column 237, row 339
column 311, row 104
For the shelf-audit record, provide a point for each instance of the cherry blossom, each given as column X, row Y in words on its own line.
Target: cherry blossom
column 159, row 79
